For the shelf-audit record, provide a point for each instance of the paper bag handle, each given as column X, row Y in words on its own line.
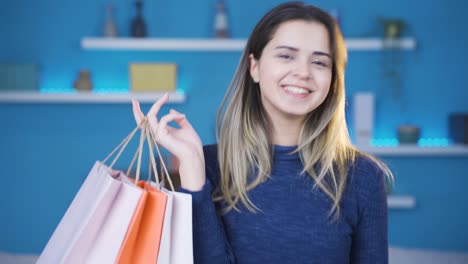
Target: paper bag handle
column 164, row 171
column 122, row 145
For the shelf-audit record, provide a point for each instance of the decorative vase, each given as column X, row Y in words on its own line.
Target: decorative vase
column 221, row 24
column 363, row 117
column 138, row 28
column 83, row 81
column 110, row 29
column 408, row 134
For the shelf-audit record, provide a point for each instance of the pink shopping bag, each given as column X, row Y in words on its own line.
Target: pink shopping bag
column 94, row 225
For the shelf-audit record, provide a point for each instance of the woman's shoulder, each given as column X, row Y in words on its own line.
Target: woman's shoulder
column 210, row 153
column 366, row 165
column 367, row 174
column 210, row 149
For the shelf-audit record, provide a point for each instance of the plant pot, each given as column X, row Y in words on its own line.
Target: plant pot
column 392, row 27
column 408, row 134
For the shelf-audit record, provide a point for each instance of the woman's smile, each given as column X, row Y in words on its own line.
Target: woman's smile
column 296, row 91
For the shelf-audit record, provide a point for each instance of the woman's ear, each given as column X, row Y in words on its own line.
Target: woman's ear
column 254, row 72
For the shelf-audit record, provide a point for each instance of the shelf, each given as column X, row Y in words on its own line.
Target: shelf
column 416, row 151
column 89, row 43
column 401, row 202
column 86, row 97
column 379, row 44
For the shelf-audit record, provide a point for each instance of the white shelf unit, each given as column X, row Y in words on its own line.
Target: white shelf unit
column 87, row 97
column 417, row 151
column 90, row 43
column 401, row 202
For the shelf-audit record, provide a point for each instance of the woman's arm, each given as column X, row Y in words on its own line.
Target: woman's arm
column 370, row 241
column 209, row 239
column 210, row 244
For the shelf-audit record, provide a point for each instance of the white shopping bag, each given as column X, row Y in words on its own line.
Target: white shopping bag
column 177, row 237
column 165, row 246
column 181, row 229
column 95, row 224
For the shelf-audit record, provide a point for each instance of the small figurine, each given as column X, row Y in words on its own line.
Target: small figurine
column 83, row 81
column 110, row 29
column 138, row 29
column 221, row 23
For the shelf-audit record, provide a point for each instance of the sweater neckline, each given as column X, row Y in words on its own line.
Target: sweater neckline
column 284, row 152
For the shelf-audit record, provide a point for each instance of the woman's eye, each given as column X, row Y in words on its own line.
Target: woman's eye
column 320, row 63
column 285, row 57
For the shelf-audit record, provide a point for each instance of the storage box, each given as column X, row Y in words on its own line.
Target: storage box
column 153, row 77
column 458, row 127
column 18, row 77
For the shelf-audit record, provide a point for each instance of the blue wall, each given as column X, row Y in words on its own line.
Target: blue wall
column 46, row 150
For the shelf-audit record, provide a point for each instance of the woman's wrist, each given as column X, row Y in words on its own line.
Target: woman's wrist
column 192, row 174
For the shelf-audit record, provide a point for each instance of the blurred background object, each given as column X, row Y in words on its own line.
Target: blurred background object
column 19, row 77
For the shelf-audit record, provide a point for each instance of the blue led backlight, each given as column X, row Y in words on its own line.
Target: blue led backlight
column 384, row 142
column 57, row 90
column 423, row 142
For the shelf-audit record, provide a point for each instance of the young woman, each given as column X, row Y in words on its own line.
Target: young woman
column 283, row 184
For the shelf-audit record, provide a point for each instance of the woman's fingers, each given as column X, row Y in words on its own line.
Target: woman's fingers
column 162, row 126
column 137, row 112
column 165, row 134
column 182, row 122
column 153, row 112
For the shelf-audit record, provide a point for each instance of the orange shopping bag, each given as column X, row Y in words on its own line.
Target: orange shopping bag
column 141, row 243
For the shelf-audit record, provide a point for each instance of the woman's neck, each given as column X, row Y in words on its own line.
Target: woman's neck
column 286, row 132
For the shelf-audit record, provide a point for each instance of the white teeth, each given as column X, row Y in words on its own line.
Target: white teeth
column 296, row 90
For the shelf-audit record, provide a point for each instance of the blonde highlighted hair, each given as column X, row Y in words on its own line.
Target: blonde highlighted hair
column 243, row 127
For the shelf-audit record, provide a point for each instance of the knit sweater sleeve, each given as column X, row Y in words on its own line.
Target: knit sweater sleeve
column 370, row 241
column 210, row 243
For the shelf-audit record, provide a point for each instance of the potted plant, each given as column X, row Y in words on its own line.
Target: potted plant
column 391, row 58
column 393, row 29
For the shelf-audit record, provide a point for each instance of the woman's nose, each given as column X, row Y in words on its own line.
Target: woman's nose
column 302, row 70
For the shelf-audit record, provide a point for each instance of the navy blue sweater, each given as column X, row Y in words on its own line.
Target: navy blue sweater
column 293, row 225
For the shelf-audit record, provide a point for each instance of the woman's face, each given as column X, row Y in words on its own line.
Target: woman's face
column 295, row 70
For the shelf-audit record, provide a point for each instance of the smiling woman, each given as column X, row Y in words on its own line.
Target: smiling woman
column 283, row 184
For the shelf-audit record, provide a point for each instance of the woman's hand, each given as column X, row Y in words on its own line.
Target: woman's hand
column 184, row 142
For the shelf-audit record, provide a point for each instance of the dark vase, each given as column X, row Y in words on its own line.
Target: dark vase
column 138, row 23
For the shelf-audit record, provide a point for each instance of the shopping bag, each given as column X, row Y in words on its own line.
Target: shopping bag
column 181, row 240
column 164, row 255
column 176, row 241
column 95, row 224
column 142, row 241
column 141, row 244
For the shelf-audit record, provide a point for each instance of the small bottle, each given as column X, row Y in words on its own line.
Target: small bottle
column 221, row 23
column 110, row 29
column 83, row 81
column 138, row 23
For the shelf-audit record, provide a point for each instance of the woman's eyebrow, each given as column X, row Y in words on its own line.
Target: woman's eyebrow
column 287, row 47
column 318, row 53
column 321, row 53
